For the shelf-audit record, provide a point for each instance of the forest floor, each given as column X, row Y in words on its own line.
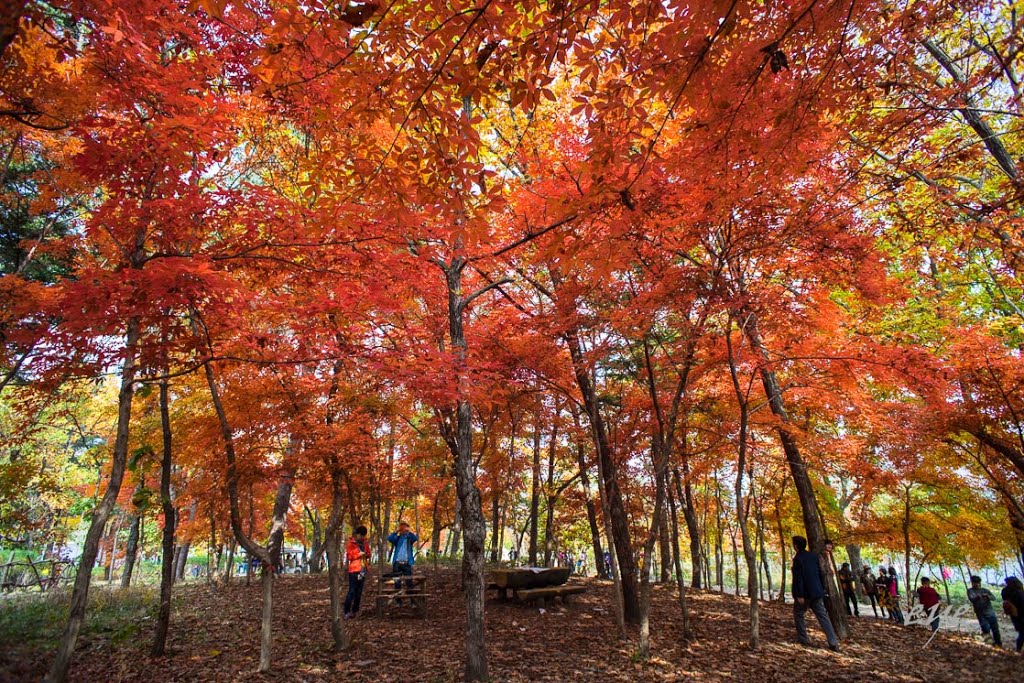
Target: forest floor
column 215, row 637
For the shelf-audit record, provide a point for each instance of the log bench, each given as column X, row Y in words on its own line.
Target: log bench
column 542, row 595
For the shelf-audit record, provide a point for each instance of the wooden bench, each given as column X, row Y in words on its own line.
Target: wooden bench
column 542, row 595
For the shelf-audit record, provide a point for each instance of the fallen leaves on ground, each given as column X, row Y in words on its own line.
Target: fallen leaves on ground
column 215, row 637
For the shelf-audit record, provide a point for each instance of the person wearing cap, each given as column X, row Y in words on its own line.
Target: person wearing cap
column 1013, row 605
column 982, row 601
column 928, row 598
column 403, row 553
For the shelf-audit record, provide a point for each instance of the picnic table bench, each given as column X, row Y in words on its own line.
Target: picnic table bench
column 543, row 595
column 533, row 584
column 411, row 592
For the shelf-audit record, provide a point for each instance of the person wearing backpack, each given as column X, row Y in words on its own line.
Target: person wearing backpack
column 1013, row 605
column 981, row 600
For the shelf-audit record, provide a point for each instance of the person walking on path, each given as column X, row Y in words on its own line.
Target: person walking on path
column 867, row 585
column 894, row 597
column 882, row 588
column 809, row 592
column 357, row 552
column 1013, row 605
column 849, row 592
column 982, row 601
column 929, row 599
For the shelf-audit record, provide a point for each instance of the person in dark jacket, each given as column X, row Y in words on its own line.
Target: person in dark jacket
column 867, row 584
column 809, row 592
column 1013, row 605
column 982, row 601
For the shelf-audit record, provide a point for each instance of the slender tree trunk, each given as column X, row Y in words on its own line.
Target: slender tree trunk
column 595, row 532
column 535, row 485
column 131, row 550
column 80, row 593
column 229, row 568
column 684, row 494
column 179, row 568
column 782, row 556
column 659, row 458
column 813, row 524
column 166, row 565
column 906, row 543
column 719, row 538
column 332, row 541
column 615, row 512
column 617, row 602
column 680, row 580
column 762, row 547
column 741, row 508
column 474, row 527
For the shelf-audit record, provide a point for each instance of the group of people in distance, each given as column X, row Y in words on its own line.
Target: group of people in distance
column 810, row 592
column 357, row 554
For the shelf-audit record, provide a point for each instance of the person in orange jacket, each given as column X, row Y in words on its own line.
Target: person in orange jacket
column 357, row 552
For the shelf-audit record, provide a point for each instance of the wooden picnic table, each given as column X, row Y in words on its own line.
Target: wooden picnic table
column 410, row 592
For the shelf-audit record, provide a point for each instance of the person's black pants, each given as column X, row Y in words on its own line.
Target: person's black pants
column 874, row 604
column 355, row 592
column 850, row 598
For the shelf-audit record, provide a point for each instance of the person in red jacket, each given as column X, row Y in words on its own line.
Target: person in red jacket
column 929, row 599
column 357, row 552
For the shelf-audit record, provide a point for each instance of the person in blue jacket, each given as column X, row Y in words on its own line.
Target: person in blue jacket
column 403, row 553
column 809, row 592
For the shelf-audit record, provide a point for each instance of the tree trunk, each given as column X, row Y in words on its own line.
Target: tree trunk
column 684, row 494
column 615, row 511
column 813, row 524
column 266, row 616
column 535, row 486
column 495, row 523
column 316, row 557
column 856, row 565
column 474, row 527
column 229, row 568
column 166, row 565
column 680, row 580
column 332, row 541
column 719, row 538
column 79, row 596
column 659, row 458
column 616, row 518
column 741, row 509
column 663, row 551
column 131, row 549
column 182, row 560
column 595, row 532
column 617, row 594
column 764, row 551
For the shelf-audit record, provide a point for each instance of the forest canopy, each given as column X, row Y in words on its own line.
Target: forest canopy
column 666, row 279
